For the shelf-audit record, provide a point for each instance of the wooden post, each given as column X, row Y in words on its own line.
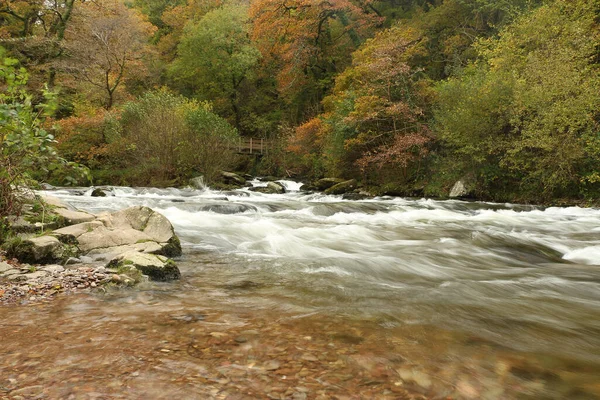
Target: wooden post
column 261, row 145
column 250, row 145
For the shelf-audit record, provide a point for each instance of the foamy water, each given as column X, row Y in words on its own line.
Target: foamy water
column 523, row 277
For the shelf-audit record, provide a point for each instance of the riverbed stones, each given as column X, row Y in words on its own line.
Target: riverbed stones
column 156, row 267
column 38, row 285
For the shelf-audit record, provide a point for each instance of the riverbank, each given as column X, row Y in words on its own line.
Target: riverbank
column 54, row 248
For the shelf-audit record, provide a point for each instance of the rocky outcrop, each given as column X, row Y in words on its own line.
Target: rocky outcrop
column 137, row 242
column 342, row 187
column 134, row 229
column 232, row 179
column 71, row 217
column 326, row 183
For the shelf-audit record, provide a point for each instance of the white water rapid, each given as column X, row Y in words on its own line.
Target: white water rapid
column 518, row 277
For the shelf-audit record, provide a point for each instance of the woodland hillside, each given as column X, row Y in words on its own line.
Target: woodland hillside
column 407, row 96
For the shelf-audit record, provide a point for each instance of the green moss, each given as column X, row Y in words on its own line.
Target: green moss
column 70, row 250
column 11, row 245
column 173, row 247
column 130, row 271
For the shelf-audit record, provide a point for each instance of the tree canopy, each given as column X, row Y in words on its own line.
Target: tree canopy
column 413, row 94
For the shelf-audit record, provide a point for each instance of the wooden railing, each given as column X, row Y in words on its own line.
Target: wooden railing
column 252, row 145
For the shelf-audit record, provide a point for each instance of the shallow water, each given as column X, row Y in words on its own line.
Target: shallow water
column 384, row 298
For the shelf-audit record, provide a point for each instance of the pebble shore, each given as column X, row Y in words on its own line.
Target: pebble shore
column 23, row 283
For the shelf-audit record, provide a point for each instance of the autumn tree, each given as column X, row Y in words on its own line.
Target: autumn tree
column 106, row 44
column 215, row 57
column 376, row 116
column 524, row 119
column 171, row 17
column 306, row 41
column 35, row 30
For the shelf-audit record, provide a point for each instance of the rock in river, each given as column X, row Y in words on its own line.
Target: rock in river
column 156, row 267
column 136, row 228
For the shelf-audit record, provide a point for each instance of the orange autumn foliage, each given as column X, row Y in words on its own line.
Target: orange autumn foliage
column 308, row 137
column 304, row 37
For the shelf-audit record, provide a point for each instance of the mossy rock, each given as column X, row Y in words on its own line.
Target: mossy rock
column 173, row 248
column 155, row 267
column 41, row 250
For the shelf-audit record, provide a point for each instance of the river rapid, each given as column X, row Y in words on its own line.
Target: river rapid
column 306, row 296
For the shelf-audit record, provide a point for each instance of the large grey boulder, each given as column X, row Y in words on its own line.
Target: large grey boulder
column 5, row 267
column 136, row 228
column 342, row 187
column 156, row 267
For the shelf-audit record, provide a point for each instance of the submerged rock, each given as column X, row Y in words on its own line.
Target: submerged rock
column 308, row 188
column 355, row 196
column 271, row 188
column 156, row 267
column 276, row 187
column 198, row 183
column 99, row 192
column 231, row 208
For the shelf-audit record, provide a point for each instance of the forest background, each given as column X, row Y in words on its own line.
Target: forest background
column 406, row 96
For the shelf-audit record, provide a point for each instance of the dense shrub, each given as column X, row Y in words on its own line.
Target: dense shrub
column 171, row 137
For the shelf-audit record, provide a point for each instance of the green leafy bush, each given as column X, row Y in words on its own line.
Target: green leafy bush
column 171, row 137
column 26, row 147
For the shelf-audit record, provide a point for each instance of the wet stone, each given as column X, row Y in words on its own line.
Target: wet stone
column 52, row 268
column 4, row 267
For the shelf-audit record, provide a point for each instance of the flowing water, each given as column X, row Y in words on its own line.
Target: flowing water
column 310, row 296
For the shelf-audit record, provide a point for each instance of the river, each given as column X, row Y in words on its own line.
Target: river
column 305, row 296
